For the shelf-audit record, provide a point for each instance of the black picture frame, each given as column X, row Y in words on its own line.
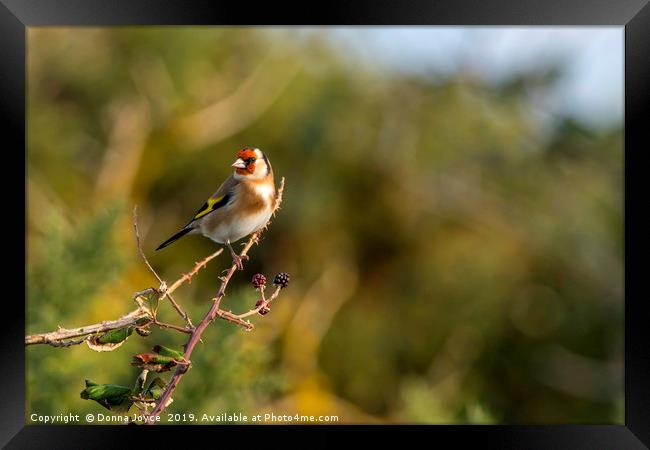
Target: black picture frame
column 633, row 15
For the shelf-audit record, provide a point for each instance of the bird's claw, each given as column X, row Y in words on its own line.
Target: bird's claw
column 237, row 260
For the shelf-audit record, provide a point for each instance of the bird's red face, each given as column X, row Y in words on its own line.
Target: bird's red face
column 245, row 163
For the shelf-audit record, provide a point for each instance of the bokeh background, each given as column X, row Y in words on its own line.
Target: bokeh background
column 452, row 219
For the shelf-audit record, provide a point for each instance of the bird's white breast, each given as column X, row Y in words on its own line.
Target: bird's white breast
column 240, row 226
column 266, row 191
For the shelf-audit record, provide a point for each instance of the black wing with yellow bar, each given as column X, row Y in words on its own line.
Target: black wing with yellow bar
column 211, row 205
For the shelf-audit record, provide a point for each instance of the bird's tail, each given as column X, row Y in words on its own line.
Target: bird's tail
column 175, row 237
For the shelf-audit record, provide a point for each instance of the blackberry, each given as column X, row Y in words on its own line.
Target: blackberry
column 264, row 311
column 281, row 279
column 258, row 280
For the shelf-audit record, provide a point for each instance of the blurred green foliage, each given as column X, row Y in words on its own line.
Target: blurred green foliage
column 453, row 258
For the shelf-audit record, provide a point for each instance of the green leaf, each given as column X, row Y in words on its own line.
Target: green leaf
column 165, row 351
column 109, row 341
column 102, row 391
column 142, row 321
column 111, row 396
column 115, row 336
column 156, row 388
column 152, row 361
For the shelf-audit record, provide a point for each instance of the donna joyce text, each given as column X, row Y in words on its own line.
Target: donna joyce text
column 184, row 417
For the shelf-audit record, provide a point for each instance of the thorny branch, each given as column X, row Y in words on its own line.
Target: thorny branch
column 163, row 285
column 238, row 318
column 138, row 317
column 144, row 315
column 64, row 338
column 214, row 312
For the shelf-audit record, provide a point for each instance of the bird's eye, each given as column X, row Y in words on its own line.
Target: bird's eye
column 250, row 160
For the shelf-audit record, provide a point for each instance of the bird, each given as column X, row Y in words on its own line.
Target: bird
column 242, row 205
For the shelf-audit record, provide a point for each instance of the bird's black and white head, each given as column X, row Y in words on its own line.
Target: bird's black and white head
column 251, row 164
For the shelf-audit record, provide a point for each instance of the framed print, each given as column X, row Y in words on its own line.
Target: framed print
column 347, row 216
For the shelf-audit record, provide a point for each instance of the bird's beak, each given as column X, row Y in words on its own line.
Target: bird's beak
column 240, row 164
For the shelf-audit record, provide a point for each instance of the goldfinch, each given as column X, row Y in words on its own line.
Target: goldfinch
column 242, row 204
